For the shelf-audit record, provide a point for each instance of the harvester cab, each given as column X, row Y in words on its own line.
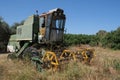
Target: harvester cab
column 51, row 26
column 46, row 28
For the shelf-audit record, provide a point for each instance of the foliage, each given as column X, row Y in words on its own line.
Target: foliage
column 74, row 39
column 4, row 27
column 4, row 35
column 112, row 39
column 102, row 38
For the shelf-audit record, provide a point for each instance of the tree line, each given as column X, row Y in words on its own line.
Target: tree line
column 102, row 38
column 78, row 39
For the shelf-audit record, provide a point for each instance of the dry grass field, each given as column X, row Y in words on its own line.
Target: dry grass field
column 105, row 66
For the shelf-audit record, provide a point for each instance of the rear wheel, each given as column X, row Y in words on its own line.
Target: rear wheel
column 32, row 55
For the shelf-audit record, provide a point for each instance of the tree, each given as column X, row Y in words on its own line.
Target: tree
column 101, row 34
column 112, row 39
column 4, row 35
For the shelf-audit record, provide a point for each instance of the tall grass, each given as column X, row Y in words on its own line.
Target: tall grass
column 105, row 66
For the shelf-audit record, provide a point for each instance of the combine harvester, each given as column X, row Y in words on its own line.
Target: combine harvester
column 40, row 39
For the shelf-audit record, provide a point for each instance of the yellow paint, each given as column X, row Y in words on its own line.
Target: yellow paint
column 42, row 31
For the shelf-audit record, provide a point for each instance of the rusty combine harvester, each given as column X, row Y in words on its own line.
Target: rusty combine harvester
column 40, row 39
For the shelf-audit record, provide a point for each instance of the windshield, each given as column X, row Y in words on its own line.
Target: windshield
column 42, row 22
column 59, row 23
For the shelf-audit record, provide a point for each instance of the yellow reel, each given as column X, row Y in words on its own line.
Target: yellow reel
column 67, row 55
column 50, row 60
column 87, row 54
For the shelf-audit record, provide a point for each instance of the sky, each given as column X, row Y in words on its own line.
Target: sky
column 82, row 16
